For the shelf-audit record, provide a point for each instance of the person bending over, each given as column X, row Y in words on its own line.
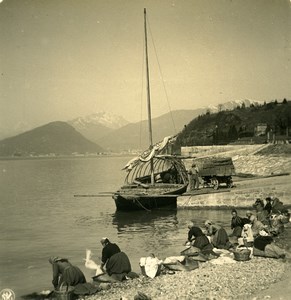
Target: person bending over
column 218, row 235
column 116, row 262
column 65, row 272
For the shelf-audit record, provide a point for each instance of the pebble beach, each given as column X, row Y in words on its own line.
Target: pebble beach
column 238, row 280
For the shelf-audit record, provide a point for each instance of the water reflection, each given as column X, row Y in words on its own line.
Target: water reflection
column 150, row 232
column 142, row 221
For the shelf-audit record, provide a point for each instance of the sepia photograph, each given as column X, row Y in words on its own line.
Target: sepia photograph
column 145, row 149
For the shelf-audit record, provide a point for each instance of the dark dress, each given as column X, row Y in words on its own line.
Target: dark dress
column 65, row 272
column 220, row 239
column 236, row 225
column 117, row 262
column 261, row 242
column 201, row 241
column 268, row 207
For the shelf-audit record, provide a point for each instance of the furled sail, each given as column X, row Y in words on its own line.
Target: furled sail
column 148, row 154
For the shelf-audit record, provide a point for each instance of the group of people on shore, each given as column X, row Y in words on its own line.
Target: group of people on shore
column 256, row 230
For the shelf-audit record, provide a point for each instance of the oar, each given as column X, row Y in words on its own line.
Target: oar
column 146, row 196
column 126, row 195
column 97, row 195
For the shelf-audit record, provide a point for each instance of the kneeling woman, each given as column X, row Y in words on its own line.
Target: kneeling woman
column 116, row 261
column 218, row 235
column 65, row 272
column 202, row 242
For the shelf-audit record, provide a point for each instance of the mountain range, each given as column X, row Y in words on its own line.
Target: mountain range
column 56, row 138
column 134, row 136
column 104, row 132
column 97, row 125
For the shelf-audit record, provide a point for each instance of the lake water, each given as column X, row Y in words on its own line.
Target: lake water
column 40, row 217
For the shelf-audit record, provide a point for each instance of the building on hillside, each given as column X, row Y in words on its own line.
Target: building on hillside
column 261, row 129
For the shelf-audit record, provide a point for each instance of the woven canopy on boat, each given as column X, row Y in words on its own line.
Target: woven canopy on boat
column 150, row 153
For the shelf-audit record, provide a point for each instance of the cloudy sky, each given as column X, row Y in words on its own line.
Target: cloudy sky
column 61, row 59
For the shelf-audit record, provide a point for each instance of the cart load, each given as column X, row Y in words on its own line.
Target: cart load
column 215, row 171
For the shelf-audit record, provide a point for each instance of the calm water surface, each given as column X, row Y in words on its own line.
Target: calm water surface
column 40, row 217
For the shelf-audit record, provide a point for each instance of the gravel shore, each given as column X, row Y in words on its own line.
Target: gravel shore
column 239, row 280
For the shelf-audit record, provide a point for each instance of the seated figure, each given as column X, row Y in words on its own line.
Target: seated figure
column 247, row 237
column 201, row 241
column 218, row 235
column 264, row 245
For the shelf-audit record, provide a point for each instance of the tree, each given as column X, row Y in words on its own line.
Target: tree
column 232, row 133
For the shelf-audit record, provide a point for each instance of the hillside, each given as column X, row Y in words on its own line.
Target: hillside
column 135, row 135
column 56, row 138
column 238, row 125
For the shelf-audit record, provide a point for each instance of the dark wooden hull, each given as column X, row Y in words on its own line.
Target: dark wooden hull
column 128, row 200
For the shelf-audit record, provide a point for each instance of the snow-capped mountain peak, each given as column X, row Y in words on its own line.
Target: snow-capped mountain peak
column 233, row 104
column 104, row 118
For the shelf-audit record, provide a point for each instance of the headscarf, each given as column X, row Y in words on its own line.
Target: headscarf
column 54, row 259
column 263, row 233
column 207, row 222
column 104, row 241
column 249, row 213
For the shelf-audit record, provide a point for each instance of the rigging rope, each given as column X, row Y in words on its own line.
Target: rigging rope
column 141, row 100
column 161, row 75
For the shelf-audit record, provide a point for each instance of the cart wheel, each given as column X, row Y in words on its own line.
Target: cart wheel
column 215, row 183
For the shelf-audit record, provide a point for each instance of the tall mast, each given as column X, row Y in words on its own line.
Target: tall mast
column 148, row 82
column 148, row 96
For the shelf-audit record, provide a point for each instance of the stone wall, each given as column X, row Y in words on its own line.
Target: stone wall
column 261, row 165
column 243, row 195
column 245, row 191
column 217, row 150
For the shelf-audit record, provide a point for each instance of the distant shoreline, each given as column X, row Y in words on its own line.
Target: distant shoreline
column 67, row 156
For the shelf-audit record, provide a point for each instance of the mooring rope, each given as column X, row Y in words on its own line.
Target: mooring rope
column 142, row 205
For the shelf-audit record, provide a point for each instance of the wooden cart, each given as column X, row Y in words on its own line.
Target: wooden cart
column 215, row 171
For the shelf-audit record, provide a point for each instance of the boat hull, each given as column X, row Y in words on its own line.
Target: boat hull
column 126, row 201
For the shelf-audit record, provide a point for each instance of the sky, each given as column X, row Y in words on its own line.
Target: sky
column 61, row 59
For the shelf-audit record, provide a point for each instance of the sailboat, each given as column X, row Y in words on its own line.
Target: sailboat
column 154, row 179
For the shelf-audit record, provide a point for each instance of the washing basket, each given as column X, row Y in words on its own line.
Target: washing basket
column 65, row 292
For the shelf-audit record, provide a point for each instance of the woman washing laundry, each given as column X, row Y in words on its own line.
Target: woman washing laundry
column 65, row 272
column 218, row 235
column 201, row 241
column 116, row 262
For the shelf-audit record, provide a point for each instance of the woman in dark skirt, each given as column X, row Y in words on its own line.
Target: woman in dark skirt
column 202, row 242
column 218, row 235
column 117, row 262
column 65, row 272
